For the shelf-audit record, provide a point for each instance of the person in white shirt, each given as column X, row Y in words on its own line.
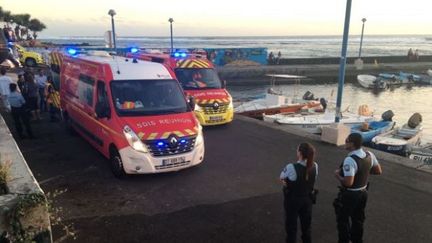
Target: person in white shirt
column 5, row 82
column 299, row 180
column 353, row 175
column 41, row 81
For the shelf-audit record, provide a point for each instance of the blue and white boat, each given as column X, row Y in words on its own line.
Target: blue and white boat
column 374, row 129
column 398, row 141
column 409, row 77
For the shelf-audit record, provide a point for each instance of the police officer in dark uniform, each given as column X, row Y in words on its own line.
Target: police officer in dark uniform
column 299, row 179
column 353, row 174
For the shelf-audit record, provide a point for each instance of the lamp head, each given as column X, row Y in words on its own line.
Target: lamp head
column 112, row 12
column 363, row 20
column 170, row 20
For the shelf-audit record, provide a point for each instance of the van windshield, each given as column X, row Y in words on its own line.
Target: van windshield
column 198, row 78
column 148, row 97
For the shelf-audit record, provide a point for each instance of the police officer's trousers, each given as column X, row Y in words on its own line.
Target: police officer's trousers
column 298, row 207
column 350, row 215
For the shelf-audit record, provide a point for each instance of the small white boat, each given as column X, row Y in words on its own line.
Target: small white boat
column 371, row 82
column 275, row 102
column 422, row 153
column 429, row 72
column 314, row 123
column 398, row 141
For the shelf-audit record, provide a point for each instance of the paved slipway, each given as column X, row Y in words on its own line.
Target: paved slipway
column 233, row 196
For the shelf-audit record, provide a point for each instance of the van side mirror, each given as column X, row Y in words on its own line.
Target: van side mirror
column 191, row 102
column 103, row 110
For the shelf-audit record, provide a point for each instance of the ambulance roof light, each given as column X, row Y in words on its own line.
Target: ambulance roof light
column 180, row 54
column 134, row 50
column 71, row 51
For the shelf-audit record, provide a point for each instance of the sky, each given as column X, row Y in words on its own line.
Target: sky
column 225, row 17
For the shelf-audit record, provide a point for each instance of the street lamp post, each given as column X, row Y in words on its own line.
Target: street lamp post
column 361, row 38
column 343, row 61
column 112, row 12
column 171, row 20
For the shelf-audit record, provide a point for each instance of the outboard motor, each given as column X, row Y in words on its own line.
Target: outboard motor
column 323, row 103
column 415, row 120
column 387, row 116
column 308, row 96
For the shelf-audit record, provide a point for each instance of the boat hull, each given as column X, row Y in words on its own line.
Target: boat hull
column 315, row 128
column 393, row 149
column 258, row 114
column 424, row 158
column 369, row 135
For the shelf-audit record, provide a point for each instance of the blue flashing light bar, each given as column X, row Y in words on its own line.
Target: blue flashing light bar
column 134, row 50
column 183, row 141
column 160, row 144
column 179, row 54
column 71, row 51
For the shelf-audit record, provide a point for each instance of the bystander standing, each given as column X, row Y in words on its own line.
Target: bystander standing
column 41, row 81
column 52, row 100
column 19, row 112
column 5, row 81
column 271, row 58
column 416, row 55
column 30, row 93
column 279, row 55
column 410, row 54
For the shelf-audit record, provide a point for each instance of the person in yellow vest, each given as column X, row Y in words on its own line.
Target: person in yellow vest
column 52, row 99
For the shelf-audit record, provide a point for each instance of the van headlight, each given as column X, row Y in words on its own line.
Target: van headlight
column 134, row 140
column 200, row 137
column 230, row 105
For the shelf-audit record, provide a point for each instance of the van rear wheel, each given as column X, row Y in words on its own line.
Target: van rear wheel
column 117, row 165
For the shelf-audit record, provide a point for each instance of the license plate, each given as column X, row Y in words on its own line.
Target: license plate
column 172, row 161
column 216, row 118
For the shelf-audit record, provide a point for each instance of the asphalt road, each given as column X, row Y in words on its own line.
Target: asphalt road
column 233, row 196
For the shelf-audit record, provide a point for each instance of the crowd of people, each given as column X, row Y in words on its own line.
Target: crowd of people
column 27, row 98
column 16, row 34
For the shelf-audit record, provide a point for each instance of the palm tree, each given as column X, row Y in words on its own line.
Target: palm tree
column 36, row 25
column 6, row 16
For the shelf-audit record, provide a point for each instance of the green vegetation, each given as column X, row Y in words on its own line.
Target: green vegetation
column 24, row 24
column 4, row 175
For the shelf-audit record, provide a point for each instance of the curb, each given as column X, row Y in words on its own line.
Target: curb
column 23, row 193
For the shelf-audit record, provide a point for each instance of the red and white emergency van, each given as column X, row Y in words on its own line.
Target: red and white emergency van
column 199, row 79
column 134, row 112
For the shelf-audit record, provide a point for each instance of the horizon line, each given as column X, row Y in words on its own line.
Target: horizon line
column 212, row 36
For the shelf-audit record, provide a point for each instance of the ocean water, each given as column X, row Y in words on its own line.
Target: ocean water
column 403, row 101
column 289, row 46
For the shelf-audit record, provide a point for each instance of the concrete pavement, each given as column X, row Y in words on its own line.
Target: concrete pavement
column 233, row 196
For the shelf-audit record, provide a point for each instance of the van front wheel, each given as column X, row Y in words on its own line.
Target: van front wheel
column 30, row 62
column 117, row 165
